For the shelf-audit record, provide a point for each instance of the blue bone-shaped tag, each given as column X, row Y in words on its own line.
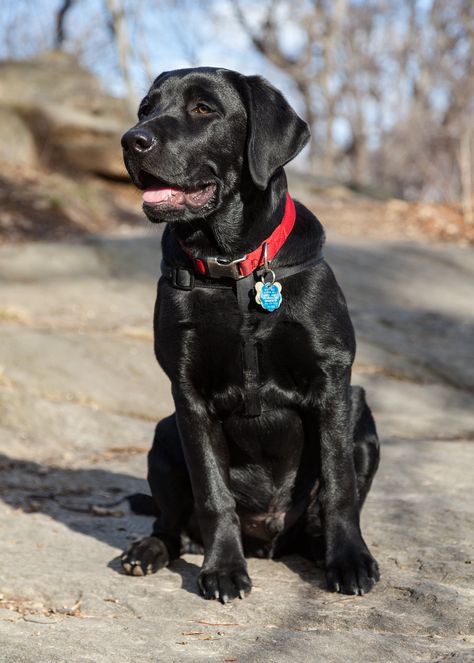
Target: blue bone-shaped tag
column 268, row 295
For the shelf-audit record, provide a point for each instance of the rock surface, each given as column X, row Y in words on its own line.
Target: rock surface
column 79, row 394
column 52, row 104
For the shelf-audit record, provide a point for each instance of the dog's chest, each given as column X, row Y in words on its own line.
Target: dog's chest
column 202, row 338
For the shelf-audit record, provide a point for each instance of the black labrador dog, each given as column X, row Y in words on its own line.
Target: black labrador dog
column 270, row 450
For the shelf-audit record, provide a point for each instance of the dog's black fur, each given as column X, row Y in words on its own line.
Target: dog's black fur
column 294, row 478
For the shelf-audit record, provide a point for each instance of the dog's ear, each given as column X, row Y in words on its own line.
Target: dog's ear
column 275, row 133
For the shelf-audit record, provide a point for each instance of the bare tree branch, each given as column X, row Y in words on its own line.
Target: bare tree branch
column 60, row 19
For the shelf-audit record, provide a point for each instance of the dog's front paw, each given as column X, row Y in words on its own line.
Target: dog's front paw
column 225, row 583
column 352, row 570
column 145, row 556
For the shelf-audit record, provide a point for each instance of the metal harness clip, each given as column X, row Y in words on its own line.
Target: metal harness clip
column 217, row 268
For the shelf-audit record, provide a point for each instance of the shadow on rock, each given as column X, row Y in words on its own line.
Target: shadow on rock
column 88, row 501
column 94, row 502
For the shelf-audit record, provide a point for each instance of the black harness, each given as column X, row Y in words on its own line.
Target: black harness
column 185, row 278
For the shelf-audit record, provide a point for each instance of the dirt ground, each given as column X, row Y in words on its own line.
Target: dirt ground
column 80, row 393
column 37, row 204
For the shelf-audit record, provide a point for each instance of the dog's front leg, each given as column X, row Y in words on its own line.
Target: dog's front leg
column 350, row 568
column 224, row 572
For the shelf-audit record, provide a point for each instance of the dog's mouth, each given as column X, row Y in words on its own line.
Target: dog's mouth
column 173, row 197
column 158, row 194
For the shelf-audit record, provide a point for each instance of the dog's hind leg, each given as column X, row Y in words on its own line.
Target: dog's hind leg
column 171, row 491
column 366, row 460
column 366, row 443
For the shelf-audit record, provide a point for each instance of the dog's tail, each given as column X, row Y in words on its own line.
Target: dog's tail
column 142, row 504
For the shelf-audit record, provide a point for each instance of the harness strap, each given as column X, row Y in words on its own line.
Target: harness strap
column 184, row 278
column 249, row 352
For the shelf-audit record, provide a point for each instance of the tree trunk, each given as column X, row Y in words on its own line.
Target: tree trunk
column 119, row 30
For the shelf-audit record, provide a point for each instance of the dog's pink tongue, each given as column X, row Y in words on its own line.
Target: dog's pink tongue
column 160, row 195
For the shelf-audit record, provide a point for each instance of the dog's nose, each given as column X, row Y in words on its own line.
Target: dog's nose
column 138, row 139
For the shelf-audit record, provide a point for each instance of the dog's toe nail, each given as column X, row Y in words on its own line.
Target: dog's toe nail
column 241, row 594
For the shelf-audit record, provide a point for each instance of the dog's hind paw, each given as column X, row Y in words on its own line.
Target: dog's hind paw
column 224, row 584
column 145, row 557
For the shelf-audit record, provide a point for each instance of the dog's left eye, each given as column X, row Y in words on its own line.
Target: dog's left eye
column 144, row 109
column 201, row 109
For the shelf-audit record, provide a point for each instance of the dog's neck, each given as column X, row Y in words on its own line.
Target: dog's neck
column 241, row 224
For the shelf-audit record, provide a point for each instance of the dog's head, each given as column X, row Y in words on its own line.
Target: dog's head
column 200, row 131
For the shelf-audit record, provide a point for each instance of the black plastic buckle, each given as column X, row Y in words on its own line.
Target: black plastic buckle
column 182, row 279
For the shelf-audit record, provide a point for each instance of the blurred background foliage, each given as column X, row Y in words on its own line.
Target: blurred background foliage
column 386, row 85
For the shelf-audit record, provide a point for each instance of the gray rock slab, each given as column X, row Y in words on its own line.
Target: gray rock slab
column 63, row 598
column 82, row 368
column 413, row 302
column 88, row 306
column 79, row 394
column 413, row 410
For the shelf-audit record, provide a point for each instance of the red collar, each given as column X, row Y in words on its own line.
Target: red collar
column 241, row 267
